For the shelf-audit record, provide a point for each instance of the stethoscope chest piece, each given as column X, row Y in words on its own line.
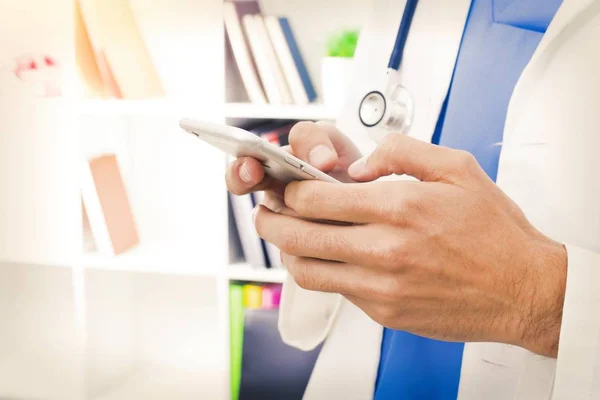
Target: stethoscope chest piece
column 392, row 112
column 372, row 109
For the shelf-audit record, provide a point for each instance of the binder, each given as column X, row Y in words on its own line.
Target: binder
column 272, row 370
column 252, row 296
column 236, row 329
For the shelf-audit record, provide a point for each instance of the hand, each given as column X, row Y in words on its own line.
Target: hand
column 447, row 256
column 319, row 144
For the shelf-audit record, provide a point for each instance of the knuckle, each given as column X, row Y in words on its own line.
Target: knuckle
column 393, row 254
column 301, row 274
column 304, row 197
column 465, row 161
column 385, row 315
column 405, row 209
column 259, row 225
column 300, row 131
column 289, row 240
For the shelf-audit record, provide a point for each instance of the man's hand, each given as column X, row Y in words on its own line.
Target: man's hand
column 448, row 256
column 321, row 145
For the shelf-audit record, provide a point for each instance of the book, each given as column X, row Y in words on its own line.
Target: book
column 233, row 13
column 242, row 207
column 236, row 336
column 276, row 134
column 252, row 296
column 125, row 64
column 272, row 370
column 274, row 64
column 271, row 296
column 87, row 64
column 298, row 58
column 286, row 60
column 261, row 57
column 107, row 206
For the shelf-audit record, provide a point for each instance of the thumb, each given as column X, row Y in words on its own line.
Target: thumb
column 310, row 142
column 402, row 155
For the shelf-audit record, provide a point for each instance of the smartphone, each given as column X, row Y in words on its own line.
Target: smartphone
column 238, row 142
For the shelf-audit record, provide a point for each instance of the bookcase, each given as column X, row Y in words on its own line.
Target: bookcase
column 151, row 323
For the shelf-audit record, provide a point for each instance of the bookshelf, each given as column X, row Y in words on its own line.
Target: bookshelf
column 288, row 112
column 153, row 322
column 247, row 273
column 148, row 257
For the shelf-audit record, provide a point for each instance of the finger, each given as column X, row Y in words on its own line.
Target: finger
column 274, row 202
column 311, row 143
column 327, row 276
column 359, row 203
column 403, row 155
column 358, row 244
column 246, row 175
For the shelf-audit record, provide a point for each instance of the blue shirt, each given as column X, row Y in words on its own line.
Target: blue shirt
column 499, row 39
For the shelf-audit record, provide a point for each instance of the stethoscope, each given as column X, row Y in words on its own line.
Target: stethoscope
column 392, row 110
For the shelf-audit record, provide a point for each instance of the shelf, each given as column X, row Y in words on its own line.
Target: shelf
column 269, row 111
column 246, row 272
column 153, row 259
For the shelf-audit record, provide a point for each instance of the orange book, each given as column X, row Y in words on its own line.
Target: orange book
column 87, row 64
column 121, row 53
column 107, row 206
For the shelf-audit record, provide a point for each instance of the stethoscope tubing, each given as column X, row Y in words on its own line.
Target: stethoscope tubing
column 403, row 30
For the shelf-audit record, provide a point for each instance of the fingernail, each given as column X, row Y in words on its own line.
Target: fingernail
column 358, row 168
column 245, row 174
column 254, row 212
column 319, row 155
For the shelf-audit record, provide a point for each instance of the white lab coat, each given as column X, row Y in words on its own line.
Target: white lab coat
column 550, row 165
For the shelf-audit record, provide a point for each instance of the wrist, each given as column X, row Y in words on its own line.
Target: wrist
column 541, row 305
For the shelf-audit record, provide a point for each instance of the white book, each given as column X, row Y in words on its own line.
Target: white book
column 273, row 60
column 273, row 252
column 242, row 55
column 251, row 243
column 94, row 214
column 286, row 60
column 261, row 58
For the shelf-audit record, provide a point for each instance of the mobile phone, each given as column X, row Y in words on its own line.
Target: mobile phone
column 238, row 142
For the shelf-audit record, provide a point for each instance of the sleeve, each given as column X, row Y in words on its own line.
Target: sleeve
column 578, row 178
column 306, row 317
column 578, row 363
column 550, row 166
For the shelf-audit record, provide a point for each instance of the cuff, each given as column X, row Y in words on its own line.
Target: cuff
column 578, row 348
column 306, row 317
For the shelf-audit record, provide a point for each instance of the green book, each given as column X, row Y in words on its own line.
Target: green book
column 236, row 329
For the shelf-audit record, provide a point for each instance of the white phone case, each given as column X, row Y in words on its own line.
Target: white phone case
column 241, row 143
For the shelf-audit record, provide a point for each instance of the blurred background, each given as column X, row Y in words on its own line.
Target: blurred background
column 126, row 270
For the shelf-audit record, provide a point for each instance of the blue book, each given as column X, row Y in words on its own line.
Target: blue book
column 298, row 60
